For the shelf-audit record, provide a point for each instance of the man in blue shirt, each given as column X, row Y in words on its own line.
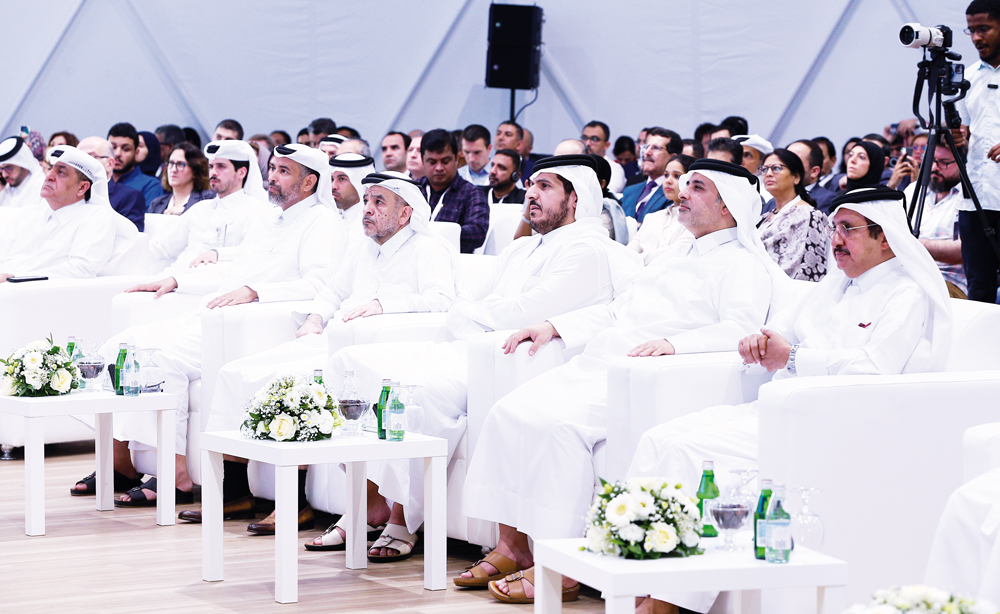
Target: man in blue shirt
column 124, row 139
column 125, row 200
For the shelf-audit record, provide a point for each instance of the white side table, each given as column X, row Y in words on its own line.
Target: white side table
column 103, row 405
column 354, row 451
column 622, row 580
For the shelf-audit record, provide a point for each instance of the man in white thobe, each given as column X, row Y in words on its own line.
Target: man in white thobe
column 219, row 223
column 22, row 172
column 701, row 299
column 278, row 261
column 884, row 310
column 72, row 233
column 349, row 169
column 570, row 264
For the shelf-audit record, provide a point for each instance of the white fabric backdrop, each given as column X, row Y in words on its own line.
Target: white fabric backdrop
column 793, row 68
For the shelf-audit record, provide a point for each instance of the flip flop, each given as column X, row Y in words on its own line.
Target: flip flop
column 397, row 538
column 122, row 484
column 515, row 588
column 480, row 579
column 332, row 540
column 138, row 498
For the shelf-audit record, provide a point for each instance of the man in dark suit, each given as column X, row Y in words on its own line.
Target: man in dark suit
column 812, row 160
column 642, row 198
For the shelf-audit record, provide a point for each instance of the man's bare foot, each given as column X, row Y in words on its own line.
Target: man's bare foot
column 186, row 486
column 529, row 588
column 523, row 559
column 396, row 518
column 378, row 515
column 648, row 605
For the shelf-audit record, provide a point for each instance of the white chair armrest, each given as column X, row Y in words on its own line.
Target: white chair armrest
column 981, row 450
column 137, row 308
column 387, row 328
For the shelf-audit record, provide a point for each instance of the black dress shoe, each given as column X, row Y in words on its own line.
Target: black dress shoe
column 241, row 508
column 266, row 526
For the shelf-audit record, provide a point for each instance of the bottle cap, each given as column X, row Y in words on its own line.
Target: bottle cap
column 387, row 382
column 765, row 484
column 122, row 346
column 317, row 371
column 708, row 466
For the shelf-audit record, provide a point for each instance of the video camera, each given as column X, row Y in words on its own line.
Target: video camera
column 915, row 35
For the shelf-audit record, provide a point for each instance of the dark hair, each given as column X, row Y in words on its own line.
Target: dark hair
column 623, row 144
column 874, row 230
column 735, row 124
column 513, row 155
column 301, row 132
column 517, row 128
column 990, row 7
column 827, row 145
column 727, row 145
column 437, row 141
column 568, row 185
column 794, row 164
column 170, row 134
column 71, row 139
column 126, row 130
column 815, row 153
column 264, row 137
column 878, row 138
column 474, row 132
column 674, row 143
column 457, row 135
column 702, row 130
column 238, row 164
column 686, row 161
column 191, row 136
column 287, row 137
column 322, row 125
column 90, row 184
column 351, row 132
column 696, row 148
column 406, row 138
column 198, row 164
column 604, row 128
column 231, row 124
column 846, row 150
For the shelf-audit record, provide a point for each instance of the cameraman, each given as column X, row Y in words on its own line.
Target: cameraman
column 980, row 112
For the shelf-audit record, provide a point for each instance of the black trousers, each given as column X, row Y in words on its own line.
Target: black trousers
column 981, row 265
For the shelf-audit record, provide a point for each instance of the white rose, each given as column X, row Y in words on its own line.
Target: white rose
column 62, row 380
column 632, row 533
column 650, row 484
column 621, row 510
column 599, row 540
column 282, row 427
column 326, row 422
column 38, row 345
column 661, row 537
column 32, row 360
column 8, row 386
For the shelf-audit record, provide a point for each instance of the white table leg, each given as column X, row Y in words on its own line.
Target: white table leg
column 165, row 466
column 832, row 599
column 618, row 604
column 211, row 516
column 104, row 453
column 34, row 477
column 286, row 531
column 435, row 523
column 548, row 592
column 357, row 515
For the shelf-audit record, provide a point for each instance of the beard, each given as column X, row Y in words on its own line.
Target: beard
column 280, row 197
column 551, row 222
column 942, row 185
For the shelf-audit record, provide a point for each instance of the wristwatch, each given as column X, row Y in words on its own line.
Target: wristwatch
column 790, row 365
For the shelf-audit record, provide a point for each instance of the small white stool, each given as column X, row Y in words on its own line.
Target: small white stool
column 103, row 405
column 621, row 580
column 354, row 451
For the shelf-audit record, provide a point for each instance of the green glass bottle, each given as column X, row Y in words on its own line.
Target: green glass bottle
column 383, row 401
column 120, row 368
column 707, row 490
column 70, row 346
column 760, row 519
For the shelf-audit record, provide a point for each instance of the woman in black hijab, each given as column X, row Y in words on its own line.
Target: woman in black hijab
column 865, row 164
column 152, row 160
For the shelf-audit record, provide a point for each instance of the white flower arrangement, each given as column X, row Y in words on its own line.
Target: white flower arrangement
column 920, row 599
column 643, row 518
column 291, row 408
column 39, row 369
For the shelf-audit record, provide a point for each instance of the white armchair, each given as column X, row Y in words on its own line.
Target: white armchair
column 504, row 219
column 981, row 450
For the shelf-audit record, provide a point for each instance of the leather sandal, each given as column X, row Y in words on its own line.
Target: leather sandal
column 515, row 588
column 239, row 509
column 138, row 498
column 480, row 579
column 122, row 484
column 331, row 539
column 397, row 538
column 266, row 526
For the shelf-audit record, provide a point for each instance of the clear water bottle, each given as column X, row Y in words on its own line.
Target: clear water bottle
column 707, row 490
column 395, row 417
column 779, row 528
column 131, row 374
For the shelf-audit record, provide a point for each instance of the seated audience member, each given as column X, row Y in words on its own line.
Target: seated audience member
column 755, row 149
column 580, row 266
column 702, row 299
column 403, row 268
column 280, row 137
column 568, row 147
column 703, row 134
column 864, row 166
column 883, row 275
column 730, row 127
column 612, row 214
column 22, row 173
column 319, row 128
column 880, row 140
column 693, row 149
column 503, row 178
column 662, row 229
column 265, row 145
column 218, row 224
column 394, row 146
column 63, row 138
column 279, row 260
column 510, row 135
column 528, row 158
column 414, row 163
column 124, row 200
column 330, row 144
column 724, row 149
column 795, row 234
column 640, row 199
column 349, row 170
column 185, row 183
column 302, row 138
column 640, row 140
column 811, row 156
column 452, row 199
column 147, row 155
column 124, row 140
column 624, row 152
column 72, row 234
column 476, row 148
column 349, row 132
column 358, row 146
column 829, row 161
column 191, row 136
column 597, row 137
column 848, row 146
column 939, row 221
column 169, row 136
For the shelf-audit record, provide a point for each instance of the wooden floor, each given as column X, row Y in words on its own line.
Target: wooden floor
column 120, row 561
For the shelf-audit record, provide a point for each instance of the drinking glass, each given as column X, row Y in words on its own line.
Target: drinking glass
column 91, row 366
column 150, row 374
column 729, row 513
column 807, row 526
column 414, row 412
column 744, row 477
column 353, row 411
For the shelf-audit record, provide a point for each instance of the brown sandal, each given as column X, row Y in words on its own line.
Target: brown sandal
column 480, row 578
column 516, row 592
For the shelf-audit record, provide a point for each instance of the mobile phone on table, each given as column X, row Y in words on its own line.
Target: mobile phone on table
column 17, row 280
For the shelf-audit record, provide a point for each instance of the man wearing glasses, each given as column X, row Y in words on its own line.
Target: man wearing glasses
column 597, row 138
column 642, row 198
column 980, row 111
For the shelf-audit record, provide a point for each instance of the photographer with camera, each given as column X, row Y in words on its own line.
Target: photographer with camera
column 980, row 112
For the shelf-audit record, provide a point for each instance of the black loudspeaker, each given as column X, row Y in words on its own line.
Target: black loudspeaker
column 515, row 46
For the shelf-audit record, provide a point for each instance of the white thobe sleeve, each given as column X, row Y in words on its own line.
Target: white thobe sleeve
column 339, row 283
column 322, row 247
column 171, row 244
column 202, row 280
column 228, row 254
column 742, row 297
column 91, row 247
column 435, row 291
column 577, row 328
column 898, row 330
